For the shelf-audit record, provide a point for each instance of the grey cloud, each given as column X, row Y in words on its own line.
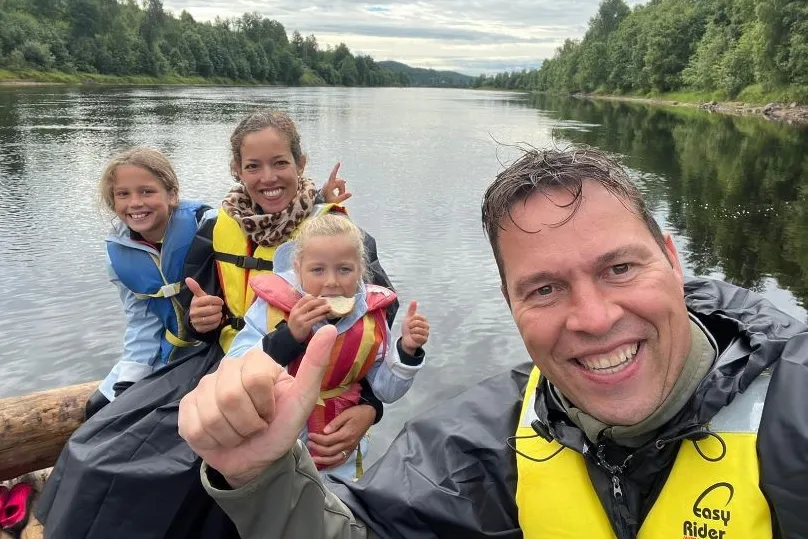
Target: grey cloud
column 517, row 14
column 414, row 32
column 538, row 25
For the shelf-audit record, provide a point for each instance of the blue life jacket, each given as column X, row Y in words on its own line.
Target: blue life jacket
column 157, row 278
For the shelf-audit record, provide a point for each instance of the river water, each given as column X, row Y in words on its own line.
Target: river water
column 732, row 190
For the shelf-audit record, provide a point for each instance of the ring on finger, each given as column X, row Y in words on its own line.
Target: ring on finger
column 344, row 454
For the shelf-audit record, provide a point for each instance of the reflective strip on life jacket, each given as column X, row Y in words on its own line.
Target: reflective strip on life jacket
column 167, row 292
column 176, row 341
column 702, row 498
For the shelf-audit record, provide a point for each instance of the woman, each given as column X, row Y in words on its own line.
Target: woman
column 237, row 241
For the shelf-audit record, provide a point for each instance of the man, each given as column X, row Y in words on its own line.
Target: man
column 656, row 408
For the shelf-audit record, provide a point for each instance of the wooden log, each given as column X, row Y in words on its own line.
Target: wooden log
column 35, row 427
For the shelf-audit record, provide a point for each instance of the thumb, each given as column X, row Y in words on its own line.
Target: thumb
column 413, row 309
column 194, row 287
column 315, row 362
column 336, row 423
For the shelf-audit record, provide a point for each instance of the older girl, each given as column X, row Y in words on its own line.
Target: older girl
column 146, row 251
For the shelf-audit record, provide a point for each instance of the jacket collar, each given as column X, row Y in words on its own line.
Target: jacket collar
column 750, row 334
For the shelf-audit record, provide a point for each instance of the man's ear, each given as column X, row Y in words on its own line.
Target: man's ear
column 673, row 258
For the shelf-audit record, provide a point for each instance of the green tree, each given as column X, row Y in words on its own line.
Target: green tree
column 348, row 72
column 139, row 36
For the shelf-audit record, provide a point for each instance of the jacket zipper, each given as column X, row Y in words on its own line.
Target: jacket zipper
column 622, row 510
column 623, row 523
column 617, row 490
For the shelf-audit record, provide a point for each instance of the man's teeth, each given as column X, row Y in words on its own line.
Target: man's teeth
column 272, row 192
column 611, row 363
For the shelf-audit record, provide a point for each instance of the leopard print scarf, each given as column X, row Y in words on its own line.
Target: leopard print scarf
column 274, row 229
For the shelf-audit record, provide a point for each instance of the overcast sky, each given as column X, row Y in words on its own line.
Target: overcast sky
column 470, row 36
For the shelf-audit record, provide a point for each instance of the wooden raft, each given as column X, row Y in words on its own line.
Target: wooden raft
column 33, row 431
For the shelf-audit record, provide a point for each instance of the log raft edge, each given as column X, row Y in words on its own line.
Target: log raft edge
column 35, row 427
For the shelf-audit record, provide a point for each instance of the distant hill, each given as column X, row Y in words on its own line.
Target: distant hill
column 429, row 77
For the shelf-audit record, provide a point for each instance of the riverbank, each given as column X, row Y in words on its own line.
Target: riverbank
column 791, row 113
column 32, row 77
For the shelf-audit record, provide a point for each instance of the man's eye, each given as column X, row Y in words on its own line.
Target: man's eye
column 544, row 290
column 620, row 269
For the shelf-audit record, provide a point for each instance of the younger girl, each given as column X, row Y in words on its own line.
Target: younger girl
column 145, row 254
column 315, row 276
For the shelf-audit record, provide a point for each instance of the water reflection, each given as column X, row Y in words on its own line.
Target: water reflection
column 734, row 187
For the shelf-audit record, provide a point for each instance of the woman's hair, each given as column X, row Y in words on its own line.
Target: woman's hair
column 332, row 225
column 258, row 121
column 148, row 159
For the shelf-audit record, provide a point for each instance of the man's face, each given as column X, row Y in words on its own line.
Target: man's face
column 599, row 305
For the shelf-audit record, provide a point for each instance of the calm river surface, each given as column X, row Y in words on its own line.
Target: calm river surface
column 733, row 191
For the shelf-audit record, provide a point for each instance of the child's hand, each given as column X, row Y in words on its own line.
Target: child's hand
column 414, row 330
column 307, row 311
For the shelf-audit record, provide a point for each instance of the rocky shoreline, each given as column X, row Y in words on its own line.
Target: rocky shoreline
column 789, row 113
column 792, row 113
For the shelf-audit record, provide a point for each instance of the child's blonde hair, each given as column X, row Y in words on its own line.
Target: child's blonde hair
column 331, row 225
column 148, row 159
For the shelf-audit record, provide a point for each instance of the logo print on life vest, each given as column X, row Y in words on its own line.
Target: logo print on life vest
column 712, row 520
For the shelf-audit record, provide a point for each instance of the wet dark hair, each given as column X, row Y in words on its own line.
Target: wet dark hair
column 542, row 171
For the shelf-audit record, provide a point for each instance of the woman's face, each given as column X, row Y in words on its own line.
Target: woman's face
column 268, row 170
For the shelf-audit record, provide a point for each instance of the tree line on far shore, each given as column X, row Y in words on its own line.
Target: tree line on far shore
column 722, row 46
column 124, row 38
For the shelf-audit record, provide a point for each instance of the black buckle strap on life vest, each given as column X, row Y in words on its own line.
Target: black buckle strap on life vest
column 245, row 262
column 236, row 322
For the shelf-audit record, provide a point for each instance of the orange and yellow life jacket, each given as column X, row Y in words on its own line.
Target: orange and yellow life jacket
column 354, row 352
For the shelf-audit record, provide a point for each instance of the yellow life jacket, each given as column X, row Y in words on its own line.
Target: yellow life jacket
column 237, row 259
column 701, row 499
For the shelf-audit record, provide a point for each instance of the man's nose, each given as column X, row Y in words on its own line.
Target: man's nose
column 592, row 310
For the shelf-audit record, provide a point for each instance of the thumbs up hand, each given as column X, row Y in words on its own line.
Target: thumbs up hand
column 414, row 330
column 250, row 411
column 334, row 190
column 206, row 310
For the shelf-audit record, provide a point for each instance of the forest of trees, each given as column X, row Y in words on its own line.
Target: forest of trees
column 722, row 46
column 419, row 76
column 127, row 38
column 735, row 187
